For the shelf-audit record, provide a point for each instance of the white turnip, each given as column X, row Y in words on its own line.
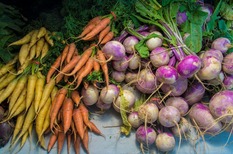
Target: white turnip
column 227, row 65
column 118, row 76
column 148, row 113
column 121, row 65
column 154, row 42
column 222, row 44
column 114, row 50
column 221, row 105
column 129, row 44
column 200, row 115
column 179, row 103
column 134, row 120
column 109, row 94
column 159, row 56
column 134, row 61
column 169, row 116
column 194, row 93
column 90, row 95
column 165, row 142
column 146, row 81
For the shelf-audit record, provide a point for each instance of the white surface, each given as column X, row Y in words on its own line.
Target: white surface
column 114, row 143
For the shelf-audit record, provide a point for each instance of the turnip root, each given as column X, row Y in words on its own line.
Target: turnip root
column 228, row 82
column 189, row 66
column 114, row 50
column 103, row 106
column 134, row 120
column 169, row 116
column 109, row 94
column 165, row 142
column 129, row 43
column 130, row 76
column 194, row 93
column 134, row 61
column 90, row 95
column 145, row 135
column 179, row 103
column 166, row 74
column 126, row 97
column 212, row 53
column 200, row 115
column 218, row 80
column 148, row 113
column 146, row 82
column 159, row 57
column 211, row 68
column 152, row 43
column 177, row 88
column 222, row 44
column 221, row 106
column 227, row 64
column 118, row 76
column 120, row 65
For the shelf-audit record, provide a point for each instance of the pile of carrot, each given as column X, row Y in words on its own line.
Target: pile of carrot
column 69, row 119
column 98, row 28
column 73, row 68
column 35, row 101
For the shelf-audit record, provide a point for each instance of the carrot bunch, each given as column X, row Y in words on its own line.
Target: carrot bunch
column 69, row 119
column 73, row 68
column 98, row 28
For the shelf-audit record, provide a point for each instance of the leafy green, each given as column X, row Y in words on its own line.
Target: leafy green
column 11, row 23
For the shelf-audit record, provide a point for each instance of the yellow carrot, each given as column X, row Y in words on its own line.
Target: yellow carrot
column 23, row 40
column 38, row 91
column 9, row 89
column 17, row 91
column 32, row 52
column 34, row 38
column 42, row 32
column 24, row 66
column 20, row 109
column 48, row 39
column 31, row 85
column 9, row 78
column 45, row 50
column 19, row 101
column 46, row 93
column 40, row 119
column 39, row 45
column 23, row 53
column 29, row 118
column 18, row 126
column 4, row 70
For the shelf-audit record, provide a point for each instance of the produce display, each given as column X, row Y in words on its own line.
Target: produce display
column 165, row 67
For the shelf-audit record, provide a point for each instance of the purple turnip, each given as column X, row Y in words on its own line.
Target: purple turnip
column 114, row 50
column 222, row 44
column 179, row 103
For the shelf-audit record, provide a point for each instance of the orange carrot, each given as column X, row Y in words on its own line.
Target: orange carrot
column 104, row 66
column 68, row 67
column 91, row 24
column 96, row 65
column 68, row 136
column 85, row 140
column 75, row 97
column 85, row 56
column 107, row 38
column 94, row 20
column 53, row 68
column 77, row 144
column 64, row 54
column 78, row 121
column 67, row 110
column 103, row 33
column 70, row 52
column 54, row 111
column 52, row 140
column 94, row 129
column 60, row 140
column 86, row 71
column 98, row 28
column 85, row 114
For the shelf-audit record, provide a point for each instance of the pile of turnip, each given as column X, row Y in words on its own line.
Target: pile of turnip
column 163, row 91
column 165, row 94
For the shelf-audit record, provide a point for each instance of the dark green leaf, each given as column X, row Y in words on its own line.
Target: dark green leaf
column 222, row 26
column 166, row 2
column 4, row 55
column 4, row 40
column 212, row 23
column 194, row 40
